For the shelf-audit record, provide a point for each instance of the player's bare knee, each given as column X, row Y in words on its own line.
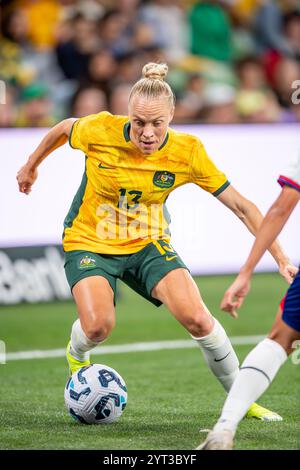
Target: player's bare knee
column 284, row 337
column 99, row 329
column 274, row 334
column 280, row 339
column 200, row 324
column 97, row 333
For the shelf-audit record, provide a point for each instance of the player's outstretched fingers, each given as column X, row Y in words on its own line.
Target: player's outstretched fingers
column 228, row 305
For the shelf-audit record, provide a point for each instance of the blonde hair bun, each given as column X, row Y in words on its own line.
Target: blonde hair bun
column 154, row 71
column 153, row 86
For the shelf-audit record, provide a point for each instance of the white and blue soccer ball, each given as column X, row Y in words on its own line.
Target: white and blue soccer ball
column 96, row 394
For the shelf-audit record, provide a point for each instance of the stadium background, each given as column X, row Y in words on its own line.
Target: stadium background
column 234, row 66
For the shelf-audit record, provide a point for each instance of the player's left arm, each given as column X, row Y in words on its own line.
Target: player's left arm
column 250, row 215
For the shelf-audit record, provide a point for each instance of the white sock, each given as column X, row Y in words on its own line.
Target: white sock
column 80, row 343
column 256, row 373
column 219, row 355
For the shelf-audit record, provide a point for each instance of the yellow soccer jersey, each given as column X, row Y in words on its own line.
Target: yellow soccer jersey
column 120, row 205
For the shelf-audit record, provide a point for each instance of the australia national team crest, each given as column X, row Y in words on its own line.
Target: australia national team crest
column 87, row 262
column 163, row 179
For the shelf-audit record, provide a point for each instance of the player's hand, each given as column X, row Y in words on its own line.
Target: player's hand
column 288, row 271
column 235, row 295
column 26, row 177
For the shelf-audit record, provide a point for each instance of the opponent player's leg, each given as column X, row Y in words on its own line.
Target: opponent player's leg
column 283, row 333
column 256, row 374
column 94, row 299
column 179, row 292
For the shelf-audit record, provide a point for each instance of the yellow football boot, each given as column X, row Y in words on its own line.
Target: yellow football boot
column 259, row 412
column 74, row 364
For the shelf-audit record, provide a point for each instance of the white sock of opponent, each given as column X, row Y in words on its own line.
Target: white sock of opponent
column 256, row 373
column 80, row 343
column 219, row 355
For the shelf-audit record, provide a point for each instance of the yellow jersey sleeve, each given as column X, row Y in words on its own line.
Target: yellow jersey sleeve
column 84, row 129
column 204, row 172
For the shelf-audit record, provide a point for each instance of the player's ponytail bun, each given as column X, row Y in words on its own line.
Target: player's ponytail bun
column 155, row 71
column 153, row 85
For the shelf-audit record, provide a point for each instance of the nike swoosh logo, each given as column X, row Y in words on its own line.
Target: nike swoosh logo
column 105, row 167
column 222, row 358
column 169, row 258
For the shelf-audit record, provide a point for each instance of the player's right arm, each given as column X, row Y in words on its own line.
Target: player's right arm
column 55, row 138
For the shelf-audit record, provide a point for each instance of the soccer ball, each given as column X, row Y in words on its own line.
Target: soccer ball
column 96, row 394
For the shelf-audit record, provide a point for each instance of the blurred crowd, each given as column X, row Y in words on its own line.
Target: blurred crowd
column 230, row 61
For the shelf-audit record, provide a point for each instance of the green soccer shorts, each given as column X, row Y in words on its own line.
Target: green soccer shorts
column 141, row 270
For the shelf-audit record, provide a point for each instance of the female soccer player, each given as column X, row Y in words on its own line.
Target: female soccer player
column 117, row 225
column 264, row 361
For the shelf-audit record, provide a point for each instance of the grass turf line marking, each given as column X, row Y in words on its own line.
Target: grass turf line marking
column 125, row 348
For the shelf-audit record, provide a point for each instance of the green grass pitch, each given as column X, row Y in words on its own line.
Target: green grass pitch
column 171, row 393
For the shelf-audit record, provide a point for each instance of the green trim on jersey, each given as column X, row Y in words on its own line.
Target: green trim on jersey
column 70, row 136
column 165, row 141
column 126, row 130
column 221, row 189
column 76, row 203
